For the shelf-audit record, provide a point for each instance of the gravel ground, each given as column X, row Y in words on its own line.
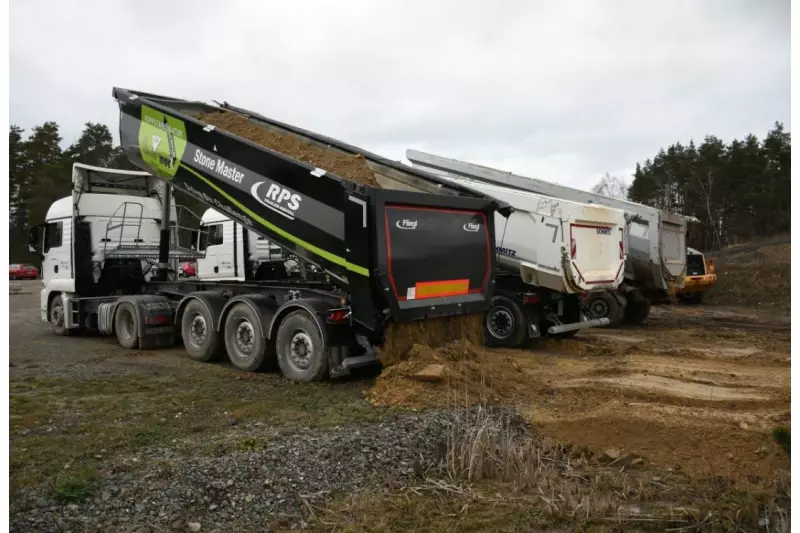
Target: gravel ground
column 159, row 487
column 249, row 490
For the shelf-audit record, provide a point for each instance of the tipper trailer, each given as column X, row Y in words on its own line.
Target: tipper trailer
column 560, row 249
column 381, row 255
column 655, row 239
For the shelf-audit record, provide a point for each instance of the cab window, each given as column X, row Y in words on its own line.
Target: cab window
column 52, row 235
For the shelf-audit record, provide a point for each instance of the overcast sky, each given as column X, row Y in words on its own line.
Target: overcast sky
column 565, row 91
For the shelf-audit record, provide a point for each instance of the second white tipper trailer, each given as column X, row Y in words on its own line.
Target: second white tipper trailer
column 655, row 240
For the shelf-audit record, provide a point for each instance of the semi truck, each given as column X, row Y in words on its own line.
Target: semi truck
column 655, row 240
column 377, row 255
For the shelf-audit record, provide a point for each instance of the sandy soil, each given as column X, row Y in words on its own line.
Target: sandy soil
column 696, row 389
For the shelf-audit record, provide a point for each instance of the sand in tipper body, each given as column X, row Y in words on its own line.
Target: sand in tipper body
column 400, row 338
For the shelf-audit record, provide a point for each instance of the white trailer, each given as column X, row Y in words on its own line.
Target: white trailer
column 655, row 240
column 557, row 244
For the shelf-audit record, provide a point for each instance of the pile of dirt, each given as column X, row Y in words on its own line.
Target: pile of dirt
column 435, row 333
column 471, row 374
column 754, row 275
column 352, row 167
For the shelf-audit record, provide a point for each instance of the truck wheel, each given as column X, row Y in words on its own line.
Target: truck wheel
column 605, row 305
column 301, row 350
column 199, row 336
column 126, row 325
column 692, row 299
column 56, row 316
column 245, row 343
column 505, row 323
column 638, row 309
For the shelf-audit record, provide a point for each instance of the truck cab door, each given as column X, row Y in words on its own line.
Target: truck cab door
column 210, row 237
column 57, row 261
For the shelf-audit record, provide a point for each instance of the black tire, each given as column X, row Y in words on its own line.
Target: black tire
column 247, row 347
column 692, row 299
column 638, row 309
column 126, row 325
column 301, row 349
column 505, row 323
column 200, row 338
column 605, row 305
column 55, row 316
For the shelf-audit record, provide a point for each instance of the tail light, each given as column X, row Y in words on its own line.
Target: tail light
column 339, row 315
column 156, row 319
column 621, row 250
column 529, row 299
column 573, row 247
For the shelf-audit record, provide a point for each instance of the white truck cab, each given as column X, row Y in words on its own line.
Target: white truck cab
column 107, row 230
column 234, row 253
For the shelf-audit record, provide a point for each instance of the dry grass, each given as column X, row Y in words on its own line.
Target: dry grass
column 499, row 476
column 754, row 275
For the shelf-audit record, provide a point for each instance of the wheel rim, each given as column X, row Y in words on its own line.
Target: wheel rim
column 198, row 330
column 57, row 314
column 301, row 349
column 600, row 308
column 500, row 322
column 126, row 324
column 245, row 336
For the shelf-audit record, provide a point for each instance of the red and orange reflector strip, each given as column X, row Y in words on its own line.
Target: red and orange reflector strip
column 436, row 289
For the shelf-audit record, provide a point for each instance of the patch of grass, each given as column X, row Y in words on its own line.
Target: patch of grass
column 87, row 423
column 782, row 436
column 73, row 489
column 148, row 436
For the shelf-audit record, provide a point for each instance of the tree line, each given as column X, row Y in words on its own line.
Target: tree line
column 739, row 191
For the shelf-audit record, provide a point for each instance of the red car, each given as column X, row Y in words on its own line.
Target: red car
column 18, row 271
column 188, row 270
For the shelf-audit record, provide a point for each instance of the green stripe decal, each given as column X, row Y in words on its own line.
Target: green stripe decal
column 300, row 242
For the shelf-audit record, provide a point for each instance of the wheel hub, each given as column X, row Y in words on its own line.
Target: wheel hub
column 244, row 337
column 198, row 331
column 501, row 322
column 300, row 349
column 600, row 308
column 57, row 314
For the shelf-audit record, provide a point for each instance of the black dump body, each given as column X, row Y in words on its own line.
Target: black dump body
column 397, row 254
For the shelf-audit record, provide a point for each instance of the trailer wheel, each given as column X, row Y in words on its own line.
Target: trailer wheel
column 197, row 330
column 247, row 347
column 504, row 323
column 605, row 305
column 302, row 353
column 638, row 308
column 55, row 315
column 126, row 325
